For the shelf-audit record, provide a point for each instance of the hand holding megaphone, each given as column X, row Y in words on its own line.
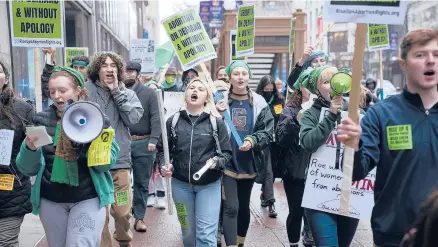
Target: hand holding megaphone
column 210, row 164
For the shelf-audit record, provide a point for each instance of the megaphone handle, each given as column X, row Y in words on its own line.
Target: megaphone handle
column 338, row 144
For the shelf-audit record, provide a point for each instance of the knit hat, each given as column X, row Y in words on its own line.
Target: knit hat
column 132, row 65
column 236, row 64
column 304, row 75
column 308, row 62
column 76, row 74
column 312, row 80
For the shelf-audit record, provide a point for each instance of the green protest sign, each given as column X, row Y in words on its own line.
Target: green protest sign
column 378, row 38
column 189, row 38
column 245, row 31
column 71, row 52
column 292, row 35
column 233, row 34
column 37, row 23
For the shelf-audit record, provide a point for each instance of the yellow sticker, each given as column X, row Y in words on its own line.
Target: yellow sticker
column 122, row 198
column 399, row 137
column 180, row 208
column 99, row 152
column 6, row 181
column 183, row 221
column 278, row 108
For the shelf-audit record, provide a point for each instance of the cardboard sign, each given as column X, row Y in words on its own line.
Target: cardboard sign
column 233, row 57
column 99, row 152
column 7, row 182
column 189, row 38
column 292, row 35
column 323, row 183
column 37, row 23
column 378, row 38
column 173, row 101
column 366, row 11
column 245, row 31
column 6, row 142
column 143, row 52
column 71, row 52
column 399, row 137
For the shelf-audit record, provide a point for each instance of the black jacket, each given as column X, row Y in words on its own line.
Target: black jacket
column 17, row 201
column 293, row 159
column 193, row 146
column 45, row 76
column 58, row 192
column 149, row 123
column 293, row 76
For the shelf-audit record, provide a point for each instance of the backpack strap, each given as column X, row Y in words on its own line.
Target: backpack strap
column 213, row 122
column 174, row 122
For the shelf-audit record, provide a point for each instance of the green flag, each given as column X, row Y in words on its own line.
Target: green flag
column 164, row 55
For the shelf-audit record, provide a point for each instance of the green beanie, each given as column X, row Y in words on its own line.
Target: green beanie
column 235, row 64
column 304, row 75
column 312, row 80
column 76, row 74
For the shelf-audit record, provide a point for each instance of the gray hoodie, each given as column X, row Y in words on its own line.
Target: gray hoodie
column 123, row 108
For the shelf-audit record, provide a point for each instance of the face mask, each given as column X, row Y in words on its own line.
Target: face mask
column 267, row 95
column 170, row 78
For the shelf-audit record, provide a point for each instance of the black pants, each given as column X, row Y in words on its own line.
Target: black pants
column 236, row 208
column 268, row 185
column 294, row 189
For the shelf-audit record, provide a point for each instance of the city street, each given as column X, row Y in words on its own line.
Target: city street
column 163, row 230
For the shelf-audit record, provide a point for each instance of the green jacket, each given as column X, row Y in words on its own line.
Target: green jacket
column 314, row 133
column 31, row 163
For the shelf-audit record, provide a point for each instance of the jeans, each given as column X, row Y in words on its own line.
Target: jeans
column 197, row 208
column 331, row 230
column 142, row 166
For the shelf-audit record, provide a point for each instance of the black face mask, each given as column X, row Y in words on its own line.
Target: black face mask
column 267, row 95
column 129, row 82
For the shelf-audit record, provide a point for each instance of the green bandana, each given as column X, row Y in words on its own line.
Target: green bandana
column 236, row 64
column 304, row 75
column 79, row 63
column 312, row 80
column 76, row 74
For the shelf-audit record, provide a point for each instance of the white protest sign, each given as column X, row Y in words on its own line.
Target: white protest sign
column 143, row 52
column 366, row 11
column 323, row 183
column 173, row 101
column 6, row 141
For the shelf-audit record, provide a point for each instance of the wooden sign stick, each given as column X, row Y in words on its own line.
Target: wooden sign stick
column 380, row 83
column 353, row 113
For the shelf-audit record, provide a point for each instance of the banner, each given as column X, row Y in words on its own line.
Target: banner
column 188, row 36
column 378, row 38
column 233, row 57
column 245, row 31
column 37, row 23
column 143, row 52
column 292, row 35
column 323, row 182
column 71, row 52
column 366, row 11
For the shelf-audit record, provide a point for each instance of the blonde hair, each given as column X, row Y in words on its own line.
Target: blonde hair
column 327, row 74
column 209, row 107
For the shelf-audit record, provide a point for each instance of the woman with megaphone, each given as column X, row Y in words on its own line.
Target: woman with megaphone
column 327, row 229
column 71, row 189
column 199, row 148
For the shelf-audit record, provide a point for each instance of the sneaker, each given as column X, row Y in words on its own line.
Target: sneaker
column 161, row 203
column 151, row 201
column 307, row 237
column 271, row 210
column 263, row 202
column 140, row 226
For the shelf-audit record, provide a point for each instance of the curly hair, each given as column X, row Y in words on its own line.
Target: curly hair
column 99, row 59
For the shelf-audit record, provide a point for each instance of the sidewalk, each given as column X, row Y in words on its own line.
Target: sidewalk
column 164, row 230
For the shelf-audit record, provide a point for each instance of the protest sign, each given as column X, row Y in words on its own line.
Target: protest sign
column 378, row 38
column 245, row 31
column 233, row 57
column 71, row 52
column 6, row 141
column 323, row 183
column 292, row 35
column 143, row 52
column 189, row 38
column 366, row 11
column 173, row 101
column 37, row 23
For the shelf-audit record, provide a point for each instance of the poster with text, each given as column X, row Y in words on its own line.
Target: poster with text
column 233, row 57
column 366, row 11
column 173, row 101
column 189, row 38
column 245, row 31
column 323, row 182
column 292, row 35
column 37, row 23
column 71, row 52
column 378, row 38
column 6, row 142
column 143, row 52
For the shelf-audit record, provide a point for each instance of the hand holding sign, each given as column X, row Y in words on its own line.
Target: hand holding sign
column 349, row 132
column 29, row 142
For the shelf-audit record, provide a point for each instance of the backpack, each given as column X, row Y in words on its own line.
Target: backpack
column 213, row 122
